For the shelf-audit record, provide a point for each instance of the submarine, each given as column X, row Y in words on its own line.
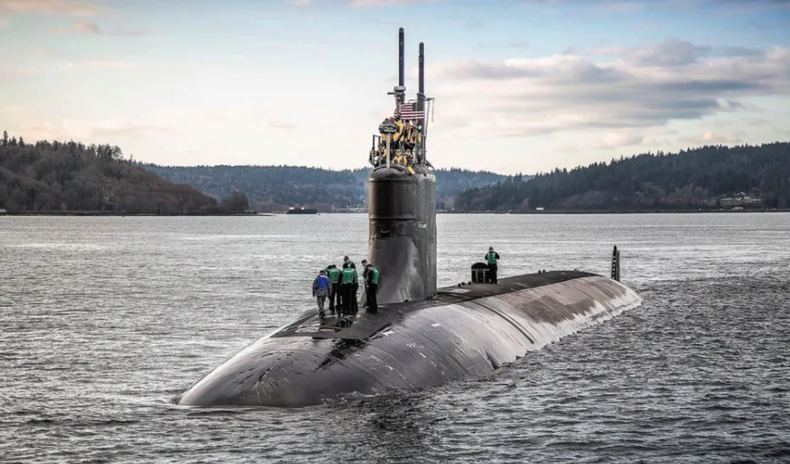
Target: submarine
column 420, row 336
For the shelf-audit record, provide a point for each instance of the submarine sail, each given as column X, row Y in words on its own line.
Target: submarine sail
column 402, row 198
column 421, row 336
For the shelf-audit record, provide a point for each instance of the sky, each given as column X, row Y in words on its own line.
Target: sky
column 520, row 86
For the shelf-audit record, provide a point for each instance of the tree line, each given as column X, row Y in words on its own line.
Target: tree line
column 275, row 188
column 710, row 177
column 71, row 176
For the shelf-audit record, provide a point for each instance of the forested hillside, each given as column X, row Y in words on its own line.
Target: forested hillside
column 274, row 188
column 66, row 177
column 710, row 177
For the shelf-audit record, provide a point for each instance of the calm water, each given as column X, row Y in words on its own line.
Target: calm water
column 105, row 320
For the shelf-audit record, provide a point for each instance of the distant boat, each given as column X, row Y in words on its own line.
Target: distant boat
column 300, row 210
column 3, row 211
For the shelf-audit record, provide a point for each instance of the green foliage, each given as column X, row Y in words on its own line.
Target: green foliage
column 692, row 179
column 283, row 186
column 236, row 203
column 59, row 177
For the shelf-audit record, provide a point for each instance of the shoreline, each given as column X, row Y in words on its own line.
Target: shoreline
column 659, row 211
column 102, row 213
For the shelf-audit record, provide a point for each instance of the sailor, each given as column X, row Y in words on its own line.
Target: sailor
column 347, row 262
column 411, row 136
column 347, row 279
column 334, row 282
column 371, row 287
column 364, row 269
column 398, row 136
column 382, row 159
column 320, row 291
column 491, row 258
column 364, row 263
column 399, row 158
column 355, row 290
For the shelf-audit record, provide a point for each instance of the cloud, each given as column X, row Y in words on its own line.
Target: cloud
column 11, row 74
column 52, row 7
column 618, row 140
column 4, row 22
column 101, row 64
column 369, row 3
column 86, row 129
column 107, row 64
column 570, row 92
column 709, row 138
column 90, row 27
column 673, row 52
column 87, row 26
column 12, row 109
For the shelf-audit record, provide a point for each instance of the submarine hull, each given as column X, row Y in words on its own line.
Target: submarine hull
column 463, row 332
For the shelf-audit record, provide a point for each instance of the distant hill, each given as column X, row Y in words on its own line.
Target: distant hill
column 68, row 177
column 273, row 188
column 711, row 177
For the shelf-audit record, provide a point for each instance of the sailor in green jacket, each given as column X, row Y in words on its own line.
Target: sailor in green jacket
column 347, row 280
column 371, row 287
column 491, row 258
column 334, row 295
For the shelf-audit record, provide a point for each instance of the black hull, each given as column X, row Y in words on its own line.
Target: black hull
column 463, row 332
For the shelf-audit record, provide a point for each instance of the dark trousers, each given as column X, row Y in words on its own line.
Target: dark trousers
column 354, row 302
column 370, row 295
column 344, row 304
column 333, row 296
column 492, row 273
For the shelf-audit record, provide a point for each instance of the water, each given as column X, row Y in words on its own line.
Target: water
column 105, row 320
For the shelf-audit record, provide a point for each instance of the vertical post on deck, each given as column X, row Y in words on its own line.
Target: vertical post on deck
column 616, row 264
column 389, row 136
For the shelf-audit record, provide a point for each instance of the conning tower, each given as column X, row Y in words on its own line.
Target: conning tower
column 402, row 200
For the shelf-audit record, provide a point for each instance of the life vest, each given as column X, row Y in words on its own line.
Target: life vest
column 399, row 158
column 334, row 275
column 413, row 135
column 373, row 275
column 349, row 276
column 491, row 257
column 398, row 135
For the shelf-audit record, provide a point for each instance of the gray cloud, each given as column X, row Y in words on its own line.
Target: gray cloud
column 571, row 92
column 673, row 52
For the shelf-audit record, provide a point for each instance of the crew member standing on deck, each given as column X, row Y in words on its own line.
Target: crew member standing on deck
column 491, row 258
column 354, row 290
column 364, row 269
column 371, row 287
column 320, row 291
column 334, row 283
column 347, row 279
column 365, row 278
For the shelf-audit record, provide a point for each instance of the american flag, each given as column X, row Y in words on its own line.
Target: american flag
column 410, row 112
